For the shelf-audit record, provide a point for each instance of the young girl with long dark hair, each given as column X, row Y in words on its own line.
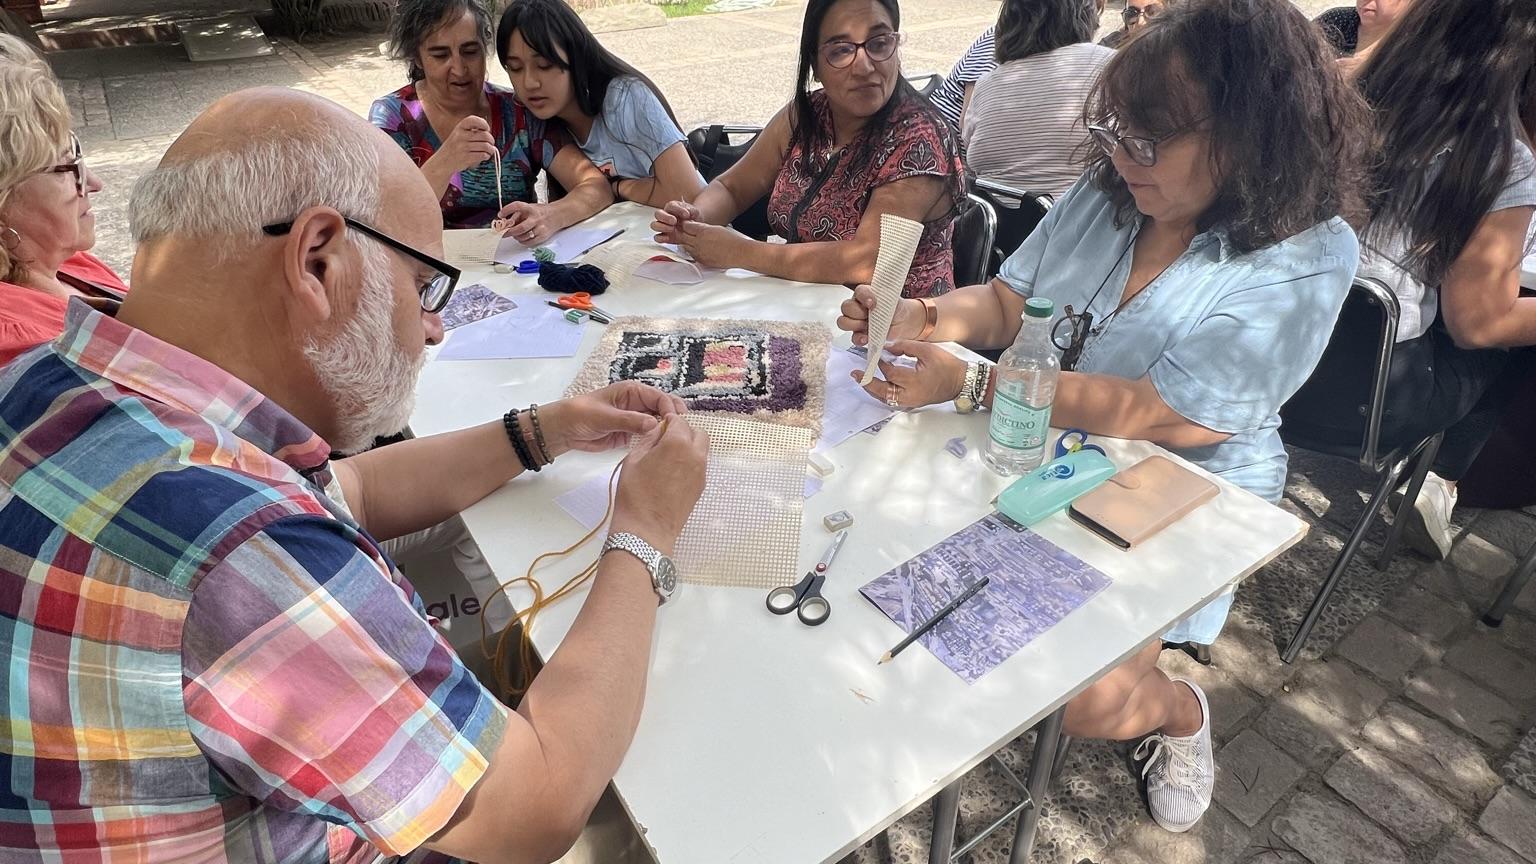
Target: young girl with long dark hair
column 618, row 117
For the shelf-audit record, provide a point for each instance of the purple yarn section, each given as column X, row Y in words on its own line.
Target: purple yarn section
column 786, row 384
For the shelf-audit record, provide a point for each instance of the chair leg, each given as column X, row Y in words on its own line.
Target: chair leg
column 1517, row 582
column 1421, row 465
column 946, row 815
column 1351, row 546
column 1047, row 745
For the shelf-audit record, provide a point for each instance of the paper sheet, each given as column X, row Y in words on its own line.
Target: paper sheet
column 849, row 408
column 532, row 330
column 473, row 303
column 588, row 502
column 622, row 260
column 1034, row 585
column 568, row 245
column 898, row 243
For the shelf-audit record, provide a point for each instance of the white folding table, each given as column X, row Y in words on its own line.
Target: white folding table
column 764, row 741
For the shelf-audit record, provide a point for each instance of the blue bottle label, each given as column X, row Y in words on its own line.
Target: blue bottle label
column 1019, row 425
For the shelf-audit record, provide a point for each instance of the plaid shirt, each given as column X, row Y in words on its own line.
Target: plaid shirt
column 208, row 661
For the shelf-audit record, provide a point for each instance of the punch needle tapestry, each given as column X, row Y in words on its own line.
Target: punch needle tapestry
column 768, row 370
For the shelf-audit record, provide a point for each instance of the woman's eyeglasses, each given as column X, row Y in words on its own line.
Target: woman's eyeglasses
column 75, row 165
column 434, row 292
column 1141, row 149
column 1070, row 334
column 1130, row 14
column 840, row 54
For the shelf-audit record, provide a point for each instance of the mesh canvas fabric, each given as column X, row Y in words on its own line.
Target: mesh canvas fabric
column 772, row 371
column 898, row 243
column 745, row 530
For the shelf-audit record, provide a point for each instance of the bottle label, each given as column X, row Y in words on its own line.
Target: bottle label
column 1018, row 425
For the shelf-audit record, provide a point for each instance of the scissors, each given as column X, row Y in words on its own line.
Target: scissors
column 805, row 597
column 1074, row 440
column 582, row 300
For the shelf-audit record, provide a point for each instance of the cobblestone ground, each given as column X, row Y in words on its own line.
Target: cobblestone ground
column 1404, row 735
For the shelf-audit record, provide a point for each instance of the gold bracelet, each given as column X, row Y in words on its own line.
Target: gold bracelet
column 930, row 318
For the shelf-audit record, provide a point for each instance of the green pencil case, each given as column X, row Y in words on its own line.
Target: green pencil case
column 1054, row 485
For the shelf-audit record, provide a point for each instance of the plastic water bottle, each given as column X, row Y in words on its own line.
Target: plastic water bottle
column 1026, row 386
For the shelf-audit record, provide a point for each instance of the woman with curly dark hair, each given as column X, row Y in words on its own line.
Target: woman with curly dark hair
column 480, row 148
column 1196, row 269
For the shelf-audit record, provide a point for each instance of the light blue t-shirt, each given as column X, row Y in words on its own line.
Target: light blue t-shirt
column 1227, row 338
column 632, row 130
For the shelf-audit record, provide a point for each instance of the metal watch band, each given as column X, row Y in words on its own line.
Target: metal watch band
column 663, row 574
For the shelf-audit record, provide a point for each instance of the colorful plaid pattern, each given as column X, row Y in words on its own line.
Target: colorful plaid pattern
column 208, row 661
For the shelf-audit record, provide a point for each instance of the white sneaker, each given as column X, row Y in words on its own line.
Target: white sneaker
column 1428, row 526
column 1181, row 772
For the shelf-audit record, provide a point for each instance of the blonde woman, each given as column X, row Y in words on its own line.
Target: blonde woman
column 46, row 223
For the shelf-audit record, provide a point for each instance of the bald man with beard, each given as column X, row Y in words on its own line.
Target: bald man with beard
column 211, row 659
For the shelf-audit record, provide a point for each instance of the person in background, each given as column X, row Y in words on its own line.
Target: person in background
column 242, row 674
column 1206, row 243
column 833, row 161
column 1356, row 29
column 951, row 96
column 46, row 224
column 561, row 73
column 1135, row 15
column 479, row 148
column 1023, row 125
column 1454, row 192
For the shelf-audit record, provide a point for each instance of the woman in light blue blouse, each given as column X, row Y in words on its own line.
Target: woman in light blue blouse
column 1197, row 269
column 619, row 119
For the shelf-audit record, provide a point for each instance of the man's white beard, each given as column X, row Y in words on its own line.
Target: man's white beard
column 368, row 375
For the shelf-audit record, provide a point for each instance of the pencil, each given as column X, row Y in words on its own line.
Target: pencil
column 933, row 622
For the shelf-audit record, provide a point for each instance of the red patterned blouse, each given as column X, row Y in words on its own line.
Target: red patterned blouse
column 827, row 203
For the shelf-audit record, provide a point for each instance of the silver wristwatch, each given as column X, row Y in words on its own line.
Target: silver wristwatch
column 663, row 571
column 969, row 400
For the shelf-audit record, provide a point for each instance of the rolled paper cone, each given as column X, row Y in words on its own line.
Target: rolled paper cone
column 898, row 245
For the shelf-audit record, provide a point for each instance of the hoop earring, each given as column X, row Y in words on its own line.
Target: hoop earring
column 10, row 238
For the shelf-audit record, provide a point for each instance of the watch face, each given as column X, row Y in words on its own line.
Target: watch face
column 666, row 575
column 964, row 405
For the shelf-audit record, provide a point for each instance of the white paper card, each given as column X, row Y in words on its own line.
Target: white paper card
column 532, row 330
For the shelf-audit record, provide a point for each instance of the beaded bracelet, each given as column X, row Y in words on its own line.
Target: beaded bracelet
column 538, row 435
column 514, row 429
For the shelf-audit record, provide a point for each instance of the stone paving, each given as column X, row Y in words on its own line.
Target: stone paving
column 1405, row 734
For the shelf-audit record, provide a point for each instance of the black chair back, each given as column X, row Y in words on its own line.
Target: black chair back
column 972, row 242
column 717, row 148
column 1018, row 211
column 1345, row 397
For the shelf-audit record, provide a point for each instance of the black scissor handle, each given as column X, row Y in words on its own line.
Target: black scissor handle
column 814, row 609
column 783, row 600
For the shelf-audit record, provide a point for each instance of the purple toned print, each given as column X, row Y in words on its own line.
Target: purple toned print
column 1034, row 585
column 472, row 303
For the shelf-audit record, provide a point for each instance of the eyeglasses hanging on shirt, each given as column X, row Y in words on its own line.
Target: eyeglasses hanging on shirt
column 1071, row 331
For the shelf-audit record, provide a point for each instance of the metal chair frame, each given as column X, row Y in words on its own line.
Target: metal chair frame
column 976, row 271
column 1390, row 467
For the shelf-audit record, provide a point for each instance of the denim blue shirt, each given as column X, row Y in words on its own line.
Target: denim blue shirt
column 1226, row 338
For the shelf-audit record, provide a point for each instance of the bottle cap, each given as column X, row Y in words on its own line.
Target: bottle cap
column 1039, row 307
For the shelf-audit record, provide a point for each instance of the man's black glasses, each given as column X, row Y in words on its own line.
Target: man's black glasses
column 75, row 165
column 434, row 292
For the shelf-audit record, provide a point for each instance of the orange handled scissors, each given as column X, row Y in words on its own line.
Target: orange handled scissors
column 583, row 301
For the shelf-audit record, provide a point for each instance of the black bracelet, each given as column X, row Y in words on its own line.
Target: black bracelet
column 538, row 435
column 515, row 435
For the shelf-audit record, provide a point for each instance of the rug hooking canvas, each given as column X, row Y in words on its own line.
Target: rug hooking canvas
column 768, row 370
column 744, row 531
